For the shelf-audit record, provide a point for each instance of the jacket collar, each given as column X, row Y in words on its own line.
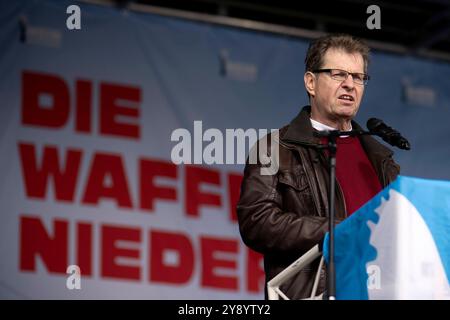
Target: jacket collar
column 373, row 148
column 300, row 131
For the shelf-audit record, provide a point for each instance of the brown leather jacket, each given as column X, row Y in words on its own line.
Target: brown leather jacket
column 284, row 215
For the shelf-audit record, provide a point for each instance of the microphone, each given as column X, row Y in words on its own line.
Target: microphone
column 391, row 136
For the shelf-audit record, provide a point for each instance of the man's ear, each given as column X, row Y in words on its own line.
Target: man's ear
column 310, row 83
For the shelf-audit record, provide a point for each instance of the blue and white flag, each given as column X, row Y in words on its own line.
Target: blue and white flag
column 397, row 246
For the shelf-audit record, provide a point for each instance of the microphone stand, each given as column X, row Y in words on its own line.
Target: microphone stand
column 332, row 148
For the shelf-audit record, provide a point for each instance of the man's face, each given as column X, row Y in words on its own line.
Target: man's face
column 334, row 102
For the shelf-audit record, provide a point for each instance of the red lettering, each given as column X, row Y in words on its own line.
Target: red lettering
column 84, row 108
column 169, row 272
column 211, row 263
column 171, row 257
column 35, row 86
column 234, row 191
column 111, row 253
column 194, row 198
column 46, row 102
column 111, row 167
column 149, row 192
column 36, row 179
column 111, row 94
column 84, row 250
column 35, row 241
column 255, row 271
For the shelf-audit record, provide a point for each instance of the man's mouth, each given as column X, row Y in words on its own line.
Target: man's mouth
column 346, row 97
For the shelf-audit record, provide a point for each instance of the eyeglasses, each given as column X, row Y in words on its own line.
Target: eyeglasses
column 342, row 75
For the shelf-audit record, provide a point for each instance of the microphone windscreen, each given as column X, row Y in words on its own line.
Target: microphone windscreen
column 373, row 123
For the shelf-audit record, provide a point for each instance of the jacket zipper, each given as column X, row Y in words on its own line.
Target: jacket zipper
column 342, row 197
column 316, row 196
column 324, row 159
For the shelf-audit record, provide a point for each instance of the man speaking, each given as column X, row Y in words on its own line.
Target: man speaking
column 284, row 215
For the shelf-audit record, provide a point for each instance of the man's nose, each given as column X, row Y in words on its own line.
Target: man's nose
column 348, row 83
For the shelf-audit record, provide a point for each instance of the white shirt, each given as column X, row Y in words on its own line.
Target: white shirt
column 319, row 126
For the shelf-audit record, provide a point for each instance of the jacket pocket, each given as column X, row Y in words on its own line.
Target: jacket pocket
column 295, row 192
